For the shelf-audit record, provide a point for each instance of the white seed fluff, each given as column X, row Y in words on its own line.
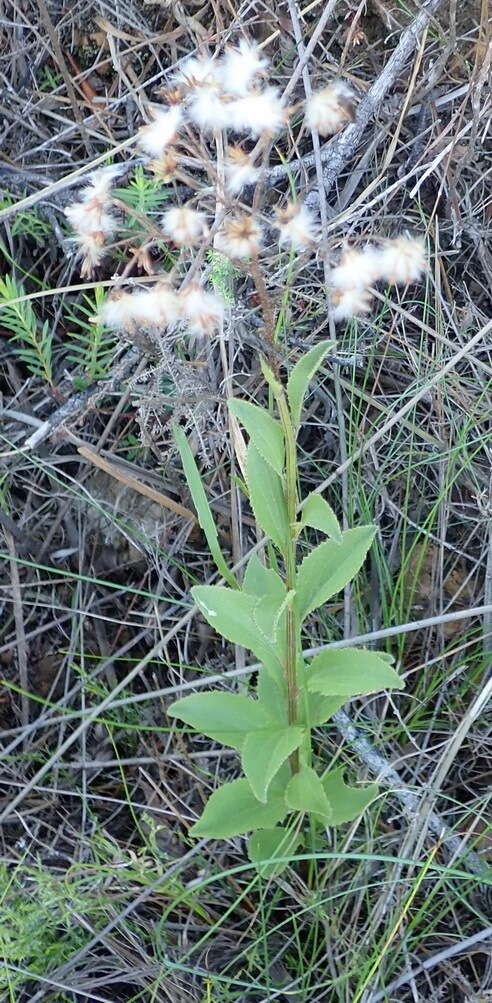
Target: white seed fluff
column 297, row 227
column 200, row 310
column 154, row 138
column 350, row 303
column 239, row 237
column 208, row 110
column 239, row 170
column 357, row 269
column 257, row 113
column 240, row 66
column 403, row 260
column 184, row 226
column 329, row 110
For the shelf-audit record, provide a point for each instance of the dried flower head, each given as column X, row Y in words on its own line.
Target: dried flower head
column 297, row 226
column 258, row 112
column 116, row 313
column 329, row 110
column 93, row 225
column 239, row 237
column 208, row 109
column 239, row 170
column 184, row 226
column 165, row 167
column 155, row 137
column 201, row 311
column 403, row 260
column 240, row 67
column 357, row 269
column 350, row 303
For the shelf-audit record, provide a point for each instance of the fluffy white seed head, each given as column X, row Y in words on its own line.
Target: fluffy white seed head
column 155, row 308
column 100, row 182
column 208, row 110
column 239, row 170
column 403, row 260
column 258, row 112
column 201, row 311
column 92, row 250
column 89, row 217
column 350, row 303
column 197, row 71
column 240, row 67
column 116, row 313
column 297, row 226
column 357, row 269
column 239, row 237
column 186, row 227
column 154, row 138
column 329, row 110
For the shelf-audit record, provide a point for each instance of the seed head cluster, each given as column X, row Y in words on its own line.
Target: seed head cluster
column 232, row 95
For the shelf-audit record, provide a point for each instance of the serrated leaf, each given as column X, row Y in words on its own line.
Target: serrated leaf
column 314, row 709
column 264, row 432
column 203, row 510
column 266, row 494
column 262, row 581
column 347, row 802
column 231, row 613
column 263, row 753
column 316, row 512
column 224, row 717
column 233, row 810
column 305, row 792
column 351, row 672
column 265, row 845
column 330, row 566
column 301, row 376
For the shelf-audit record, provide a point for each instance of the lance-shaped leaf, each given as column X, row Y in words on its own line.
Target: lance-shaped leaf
column 302, row 375
column 330, row 566
column 316, row 512
column 262, row 581
column 224, row 717
column 264, row 432
column 305, row 792
column 233, row 810
column 263, row 753
column 347, row 802
column 203, row 511
column 231, row 613
column 266, row 845
column 266, row 494
column 351, row 672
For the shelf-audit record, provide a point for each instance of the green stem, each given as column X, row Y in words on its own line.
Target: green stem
column 290, row 561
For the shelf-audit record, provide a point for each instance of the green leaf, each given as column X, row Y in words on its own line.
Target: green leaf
column 231, row 613
column 305, row 792
column 271, row 692
column 264, row 752
column 203, row 511
column 270, row 377
column 265, row 433
column 317, row 513
column 266, row 494
column 320, row 709
column 262, row 581
column 350, row 672
column 329, row 567
column 347, row 802
column 302, row 375
column 224, row 717
column 233, row 810
column 265, row 845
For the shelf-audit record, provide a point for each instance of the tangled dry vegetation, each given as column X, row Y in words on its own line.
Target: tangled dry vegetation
column 150, row 304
